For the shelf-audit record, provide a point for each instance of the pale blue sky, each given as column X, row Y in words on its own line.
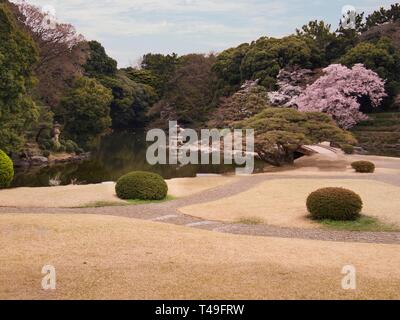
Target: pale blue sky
column 130, row 28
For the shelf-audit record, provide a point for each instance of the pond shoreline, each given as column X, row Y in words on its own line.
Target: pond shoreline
column 41, row 161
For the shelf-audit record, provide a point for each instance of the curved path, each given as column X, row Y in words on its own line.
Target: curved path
column 167, row 212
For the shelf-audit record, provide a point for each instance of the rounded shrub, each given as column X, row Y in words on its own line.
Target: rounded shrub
column 141, row 186
column 334, row 204
column 363, row 167
column 348, row 149
column 6, row 170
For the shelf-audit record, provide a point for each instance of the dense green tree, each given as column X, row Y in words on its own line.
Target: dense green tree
column 267, row 56
column 131, row 101
column 324, row 38
column 191, row 92
column 381, row 57
column 243, row 104
column 86, row 111
column 141, row 76
column 383, row 16
column 280, row 132
column 346, row 38
column 98, row 62
column 228, row 68
column 162, row 67
column 18, row 54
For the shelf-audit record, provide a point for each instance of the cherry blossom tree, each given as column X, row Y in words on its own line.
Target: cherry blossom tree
column 339, row 92
column 291, row 84
column 54, row 38
column 62, row 50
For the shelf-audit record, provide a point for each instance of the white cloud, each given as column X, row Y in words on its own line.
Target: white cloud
column 142, row 17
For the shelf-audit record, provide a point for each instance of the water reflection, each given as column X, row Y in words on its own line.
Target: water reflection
column 116, row 155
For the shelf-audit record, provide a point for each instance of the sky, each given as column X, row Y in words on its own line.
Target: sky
column 130, row 28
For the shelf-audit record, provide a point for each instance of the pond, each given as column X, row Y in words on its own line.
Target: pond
column 116, row 155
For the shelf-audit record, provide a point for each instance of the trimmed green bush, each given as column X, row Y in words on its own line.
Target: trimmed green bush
column 348, row 149
column 334, row 204
column 6, row 170
column 363, row 167
column 141, row 186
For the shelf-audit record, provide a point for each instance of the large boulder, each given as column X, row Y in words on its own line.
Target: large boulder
column 39, row 161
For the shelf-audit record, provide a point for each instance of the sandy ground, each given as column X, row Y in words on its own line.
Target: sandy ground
column 283, row 202
column 320, row 164
column 62, row 196
column 81, row 195
column 103, row 257
column 189, row 186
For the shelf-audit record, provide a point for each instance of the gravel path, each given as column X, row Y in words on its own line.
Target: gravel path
column 167, row 212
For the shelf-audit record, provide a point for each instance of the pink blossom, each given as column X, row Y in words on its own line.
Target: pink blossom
column 337, row 93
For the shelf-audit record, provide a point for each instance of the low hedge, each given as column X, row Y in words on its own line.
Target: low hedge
column 334, row 204
column 6, row 170
column 141, row 186
column 363, row 166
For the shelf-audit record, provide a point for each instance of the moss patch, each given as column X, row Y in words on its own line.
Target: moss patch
column 364, row 223
column 138, row 202
column 251, row 221
column 102, row 204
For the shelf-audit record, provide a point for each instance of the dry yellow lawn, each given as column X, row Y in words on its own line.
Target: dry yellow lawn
column 81, row 195
column 283, row 202
column 102, row 257
column 55, row 197
column 321, row 165
column 188, row 186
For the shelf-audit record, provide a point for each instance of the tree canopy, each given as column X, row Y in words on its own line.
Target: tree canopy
column 62, row 51
column 280, row 132
column 18, row 55
column 49, row 62
column 190, row 92
column 131, row 99
column 339, row 91
column 86, row 111
column 383, row 58
column 161, row 68
column 383, row 16
column 245, row 103
column 267, row 56
column 98, row 62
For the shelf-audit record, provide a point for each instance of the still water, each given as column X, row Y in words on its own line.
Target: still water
column 116, row 155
